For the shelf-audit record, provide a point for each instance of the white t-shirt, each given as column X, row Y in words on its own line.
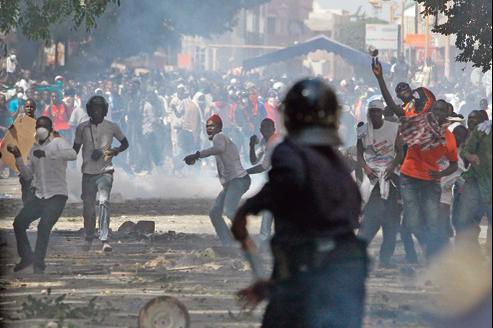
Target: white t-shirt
column 447, row 183
column 78, row 116
column 100, row 137
column 380, row 151
column 267, row 149
column 149, row 119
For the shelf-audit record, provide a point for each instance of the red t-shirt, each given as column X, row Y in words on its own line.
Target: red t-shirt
column 59, row 116
column 419, row 162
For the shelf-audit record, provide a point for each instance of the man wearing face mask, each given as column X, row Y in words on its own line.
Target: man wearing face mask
column 95, row 137
column 233, row 177
column 414, row 101
column 47, row 169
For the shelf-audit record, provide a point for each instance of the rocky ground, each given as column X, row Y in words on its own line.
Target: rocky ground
column 182, row 259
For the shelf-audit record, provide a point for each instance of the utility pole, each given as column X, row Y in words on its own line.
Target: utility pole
column 403, row 26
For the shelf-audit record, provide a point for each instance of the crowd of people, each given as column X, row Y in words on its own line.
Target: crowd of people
column 420, row 161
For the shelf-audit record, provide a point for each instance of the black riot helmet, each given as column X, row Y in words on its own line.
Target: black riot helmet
column 310, row 103
column 97, row 101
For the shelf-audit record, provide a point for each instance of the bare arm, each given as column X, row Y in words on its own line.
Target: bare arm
column 378, row 71
column 253, row 155
column 256, row 169
column 123, row 145
column 77, row 147
column 26, row 171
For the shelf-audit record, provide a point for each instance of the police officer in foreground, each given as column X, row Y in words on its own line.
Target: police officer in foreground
column 320, row 267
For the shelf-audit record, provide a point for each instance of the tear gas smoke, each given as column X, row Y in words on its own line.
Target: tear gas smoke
column 160, row 184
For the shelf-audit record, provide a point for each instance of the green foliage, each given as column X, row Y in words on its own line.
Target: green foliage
column 107, row 29
column 34, row 18
column 37, row 19
column 471, row 22
column 56, row 309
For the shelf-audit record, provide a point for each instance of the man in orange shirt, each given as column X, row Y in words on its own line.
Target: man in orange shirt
column 59, row 114
column 420, row 183
column 414, row 101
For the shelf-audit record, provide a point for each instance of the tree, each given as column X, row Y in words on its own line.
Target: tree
column 142, row 26
column 110, row 28
column 34, row 19
column 471, row 22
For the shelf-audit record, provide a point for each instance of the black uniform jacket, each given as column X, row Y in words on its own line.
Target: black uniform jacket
column 310, row 192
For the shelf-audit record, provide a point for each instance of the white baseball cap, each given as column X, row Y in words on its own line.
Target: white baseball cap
column 376, row 103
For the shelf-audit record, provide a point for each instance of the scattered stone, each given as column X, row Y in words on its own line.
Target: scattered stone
column 46, row 291
column 127, row 227
column 207, row 254
column 158, row 262
column 52, row 324
column 146, row 227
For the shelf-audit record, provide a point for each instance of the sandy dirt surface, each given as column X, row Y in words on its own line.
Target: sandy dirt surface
column 183, row 259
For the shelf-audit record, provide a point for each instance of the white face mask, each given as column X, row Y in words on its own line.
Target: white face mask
column 42, row 134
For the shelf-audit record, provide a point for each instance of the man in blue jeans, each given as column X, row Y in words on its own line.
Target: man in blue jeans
column 420, row 179
column 233, row 177
column 476, row 196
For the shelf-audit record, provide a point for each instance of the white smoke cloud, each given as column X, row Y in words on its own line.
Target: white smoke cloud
column 161, row 184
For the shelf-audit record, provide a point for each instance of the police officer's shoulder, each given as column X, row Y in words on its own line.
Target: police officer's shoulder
column 285, row 154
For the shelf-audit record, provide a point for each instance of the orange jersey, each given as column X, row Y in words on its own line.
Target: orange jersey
column 418, row 162
column 411, row 108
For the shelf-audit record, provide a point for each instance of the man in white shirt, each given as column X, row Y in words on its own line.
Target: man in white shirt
column 47, row 165
column 379, row 154
column 262, row 163
column 233, row 177
column 95, row 137
column 186, row 117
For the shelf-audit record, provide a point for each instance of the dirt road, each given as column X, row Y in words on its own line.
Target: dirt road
column 183, row 260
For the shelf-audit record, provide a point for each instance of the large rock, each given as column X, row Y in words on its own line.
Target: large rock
column 145, row 227
column 127, row 227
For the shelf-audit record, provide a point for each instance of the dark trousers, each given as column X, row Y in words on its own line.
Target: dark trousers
column 386, row 214
column 330, row 298
column 49, row 210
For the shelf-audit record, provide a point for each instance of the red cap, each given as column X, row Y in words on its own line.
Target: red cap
column 217, row 120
